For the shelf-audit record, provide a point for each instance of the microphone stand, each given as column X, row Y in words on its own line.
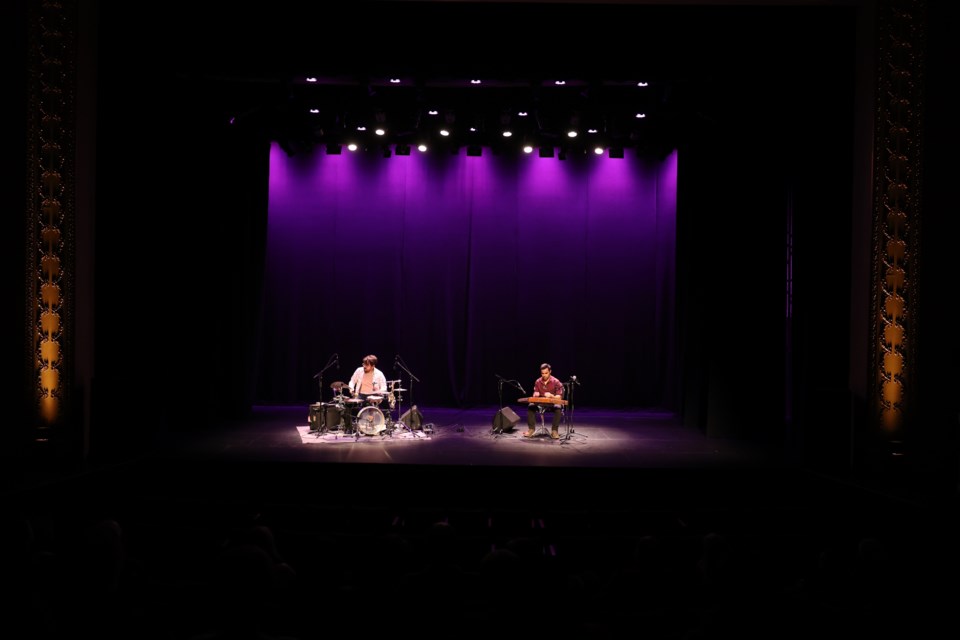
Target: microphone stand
column 498, row 430
column 332, row 360
column 568, row 391
column 399, row 363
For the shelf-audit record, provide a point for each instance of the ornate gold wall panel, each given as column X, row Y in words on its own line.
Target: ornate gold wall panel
column 896, row 225
column 51, row 177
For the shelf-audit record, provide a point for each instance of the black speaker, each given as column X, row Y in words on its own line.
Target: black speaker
column 412, row 418
column 505, row 419
column 315, row 415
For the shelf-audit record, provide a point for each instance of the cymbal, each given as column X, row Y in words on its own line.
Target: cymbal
column 394, row 381
column 336, row 385
column 398, row 389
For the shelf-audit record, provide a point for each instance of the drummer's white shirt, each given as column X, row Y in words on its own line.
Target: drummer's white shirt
column 377, row 383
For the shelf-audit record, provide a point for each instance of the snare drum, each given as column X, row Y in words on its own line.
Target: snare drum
column 374, row 400
column 370, row 421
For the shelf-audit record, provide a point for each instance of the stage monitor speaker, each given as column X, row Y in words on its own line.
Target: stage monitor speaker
column 412, row 418
column 505, row 419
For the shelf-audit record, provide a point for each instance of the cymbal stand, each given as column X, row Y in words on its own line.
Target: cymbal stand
column 398, row 363
column 390, row 397
column 399, row 423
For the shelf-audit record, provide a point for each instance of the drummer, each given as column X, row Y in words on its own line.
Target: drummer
column 368, row 381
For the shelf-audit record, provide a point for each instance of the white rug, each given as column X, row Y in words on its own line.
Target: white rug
column 306, row 437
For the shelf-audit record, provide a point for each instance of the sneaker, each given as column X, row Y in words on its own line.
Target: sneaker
column 555, row 435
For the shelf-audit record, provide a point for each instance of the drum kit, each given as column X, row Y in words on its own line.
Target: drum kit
column 368, row 415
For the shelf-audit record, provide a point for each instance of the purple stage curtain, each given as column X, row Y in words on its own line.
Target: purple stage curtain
column 470, row 268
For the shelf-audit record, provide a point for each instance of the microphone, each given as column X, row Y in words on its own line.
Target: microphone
column 520, row 387
column 499, row 377
column 396, row 360
column 574, row 380
column 337, row 360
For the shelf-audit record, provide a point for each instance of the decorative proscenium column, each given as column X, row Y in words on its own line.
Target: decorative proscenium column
column 51, row 184
column 896, row 225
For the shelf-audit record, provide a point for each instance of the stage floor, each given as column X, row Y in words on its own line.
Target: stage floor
column 644, row 461
column 589, row 438
column 605, row 458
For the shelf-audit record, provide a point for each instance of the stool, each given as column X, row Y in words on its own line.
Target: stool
column 543, row 429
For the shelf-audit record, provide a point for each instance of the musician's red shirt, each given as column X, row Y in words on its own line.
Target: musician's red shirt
column 552, row 385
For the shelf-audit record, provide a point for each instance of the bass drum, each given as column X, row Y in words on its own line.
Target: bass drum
column 370, row 421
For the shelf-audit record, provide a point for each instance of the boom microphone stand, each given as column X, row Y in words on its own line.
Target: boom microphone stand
column 399, row 364
column 331, row 361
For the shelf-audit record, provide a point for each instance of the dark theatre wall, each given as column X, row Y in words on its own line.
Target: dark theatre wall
column 181, row 213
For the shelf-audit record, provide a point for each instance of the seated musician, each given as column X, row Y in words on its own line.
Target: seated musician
column 546, row 386
column 367, row 380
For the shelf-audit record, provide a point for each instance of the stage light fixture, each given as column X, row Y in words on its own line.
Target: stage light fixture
column 401, row 149
column 333, row 149
column 546, row 152
column 616, row 152
column 474, row 150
